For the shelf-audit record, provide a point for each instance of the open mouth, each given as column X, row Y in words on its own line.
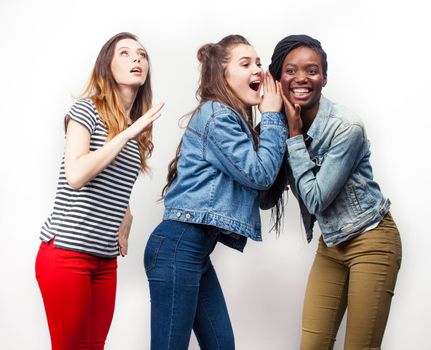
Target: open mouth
column 254, row 85
column 136, row 70
column 301, row 92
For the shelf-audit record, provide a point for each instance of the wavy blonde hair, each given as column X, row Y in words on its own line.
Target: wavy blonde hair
column 103, row 91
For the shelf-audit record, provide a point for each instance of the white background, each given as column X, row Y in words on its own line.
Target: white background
column 379, row 66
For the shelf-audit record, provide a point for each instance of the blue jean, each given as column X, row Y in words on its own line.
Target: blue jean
column 184, row 289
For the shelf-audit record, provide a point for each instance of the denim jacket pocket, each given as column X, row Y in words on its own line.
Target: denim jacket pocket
column 151, row 251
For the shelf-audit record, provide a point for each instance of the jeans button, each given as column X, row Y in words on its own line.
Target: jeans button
column 188, row 216
column 178, row 214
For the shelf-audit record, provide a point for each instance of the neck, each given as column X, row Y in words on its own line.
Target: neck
column 127, row 96
column 308, row 116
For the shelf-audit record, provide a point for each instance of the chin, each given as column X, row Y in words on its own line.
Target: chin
column 301, row 103
column 253, row 102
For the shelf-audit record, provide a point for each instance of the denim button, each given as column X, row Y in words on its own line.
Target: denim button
column 188, row 216
column 178, row 214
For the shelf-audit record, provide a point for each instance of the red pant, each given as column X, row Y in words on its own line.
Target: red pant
column 78, row 292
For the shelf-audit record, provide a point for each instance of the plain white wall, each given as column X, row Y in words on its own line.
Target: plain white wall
column 379, row 57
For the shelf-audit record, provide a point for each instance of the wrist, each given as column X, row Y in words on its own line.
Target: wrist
column 294, row 132
column 123, row 136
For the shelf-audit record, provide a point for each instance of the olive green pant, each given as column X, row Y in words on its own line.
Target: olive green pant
column 359, row 274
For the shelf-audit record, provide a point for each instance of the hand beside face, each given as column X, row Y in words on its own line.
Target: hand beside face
column 302, row 78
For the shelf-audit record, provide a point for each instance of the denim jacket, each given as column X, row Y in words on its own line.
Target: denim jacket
column 330, row 173
column 221, row 171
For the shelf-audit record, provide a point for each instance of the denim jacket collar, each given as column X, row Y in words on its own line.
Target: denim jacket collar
column 322, row 117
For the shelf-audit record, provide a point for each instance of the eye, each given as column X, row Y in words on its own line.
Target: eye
column 245, row 65
column 290, row 71
column 143, row 54
column 313, row 72
column 124, row 53
column 259, row 64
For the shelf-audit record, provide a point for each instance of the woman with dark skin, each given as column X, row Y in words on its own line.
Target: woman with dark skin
column 329, row 172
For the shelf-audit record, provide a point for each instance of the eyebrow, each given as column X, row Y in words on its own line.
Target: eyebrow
column 307, row 65
column 126, row 47
column 248, row 58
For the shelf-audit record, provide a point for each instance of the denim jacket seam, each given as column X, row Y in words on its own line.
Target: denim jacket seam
column 350, row 128
column 204, row 140
column 222, row 111
column 215, row 114
column 273, row 119
column 346, row 123
column 212, row 212
column 211, row 202
column 376, row 211
column 295, row 147
column 240, row 170
column 198, row 134
column 194, row 131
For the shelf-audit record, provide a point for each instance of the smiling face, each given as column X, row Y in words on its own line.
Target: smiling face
column 302, row 78
column 243, row 74
column 129, row 64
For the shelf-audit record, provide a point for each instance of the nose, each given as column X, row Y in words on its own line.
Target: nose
column 137, row 59
column 301, row 77
column 257, row 70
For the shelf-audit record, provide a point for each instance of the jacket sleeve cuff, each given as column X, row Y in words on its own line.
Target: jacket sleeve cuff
column 273, row 119
column 295, row 143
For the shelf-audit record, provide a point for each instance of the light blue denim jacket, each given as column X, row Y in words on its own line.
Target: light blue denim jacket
column 333, row 178
column 221, row 171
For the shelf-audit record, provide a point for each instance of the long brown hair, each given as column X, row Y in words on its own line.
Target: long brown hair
column 103, row 91
column 213, row 86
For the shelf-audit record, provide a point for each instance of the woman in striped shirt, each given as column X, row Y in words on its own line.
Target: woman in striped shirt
column 108, row 139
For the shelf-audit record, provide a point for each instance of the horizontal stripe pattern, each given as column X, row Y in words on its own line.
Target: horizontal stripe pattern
column 87, row 220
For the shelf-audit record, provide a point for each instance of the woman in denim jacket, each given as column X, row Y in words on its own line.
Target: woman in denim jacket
column 329, row 172
column 212, row 195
